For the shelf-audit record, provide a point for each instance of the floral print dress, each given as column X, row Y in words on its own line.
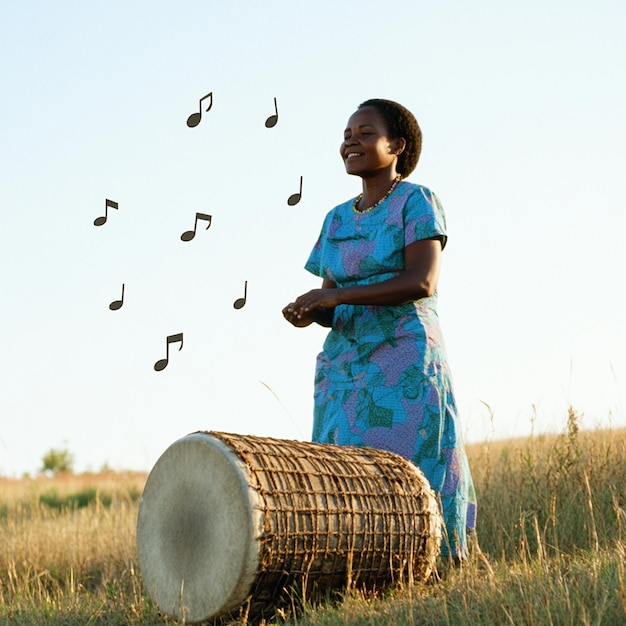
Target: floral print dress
column 382, row 379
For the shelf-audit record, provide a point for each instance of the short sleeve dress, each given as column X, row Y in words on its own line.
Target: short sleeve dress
column 382, row 379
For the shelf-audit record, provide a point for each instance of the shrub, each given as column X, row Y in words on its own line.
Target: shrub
column 56, row 461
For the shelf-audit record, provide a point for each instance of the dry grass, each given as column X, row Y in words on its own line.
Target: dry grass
column 67, row 548
column 551, row 534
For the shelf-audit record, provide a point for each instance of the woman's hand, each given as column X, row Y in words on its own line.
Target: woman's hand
column 317, row 306
column 294, row 316
column 325, row 298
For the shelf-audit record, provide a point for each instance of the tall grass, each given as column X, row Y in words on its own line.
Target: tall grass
column 67, row 550
column 549, row 495
column 549, row 549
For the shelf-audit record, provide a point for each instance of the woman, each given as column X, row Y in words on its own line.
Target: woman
column 382, row 379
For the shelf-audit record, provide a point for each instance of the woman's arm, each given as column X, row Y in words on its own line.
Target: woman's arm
column 418, row 280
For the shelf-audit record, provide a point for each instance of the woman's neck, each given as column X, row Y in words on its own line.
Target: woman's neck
column 375, row 188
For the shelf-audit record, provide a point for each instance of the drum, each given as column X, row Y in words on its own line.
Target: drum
column 229, row 521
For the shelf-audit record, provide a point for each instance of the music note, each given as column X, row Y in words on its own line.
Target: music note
column 294, row 198
column 117, row 304
column 270, row 122
column 188, row 235
column 239, row 303
column 162, row 364
column 103, row 218
column 194, row 119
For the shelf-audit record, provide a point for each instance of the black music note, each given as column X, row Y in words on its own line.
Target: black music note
column 194, row 119
column 294, row 198
column 162, row 364
column 188, row 235
column 239, row 303
column 270, row 122
column 102, row 219
column 117, row 304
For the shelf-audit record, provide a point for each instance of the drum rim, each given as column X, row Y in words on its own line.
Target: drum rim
column 250, row 554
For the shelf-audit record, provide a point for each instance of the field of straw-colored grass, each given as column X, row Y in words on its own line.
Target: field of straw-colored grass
column 550, row 546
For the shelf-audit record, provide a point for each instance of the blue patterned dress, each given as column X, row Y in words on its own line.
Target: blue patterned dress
column 383, row 379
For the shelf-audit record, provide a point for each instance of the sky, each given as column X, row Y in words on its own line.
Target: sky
column 522, row 111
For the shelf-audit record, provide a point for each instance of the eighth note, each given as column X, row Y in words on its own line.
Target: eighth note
column 162, row 364
column 239, row 303
column 188, row 235
column 194, row 119
column 103, row 218
column 294, row 198
column 117, row 304
column 270, row 122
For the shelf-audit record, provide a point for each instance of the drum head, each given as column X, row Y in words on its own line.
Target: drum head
column 196, row 530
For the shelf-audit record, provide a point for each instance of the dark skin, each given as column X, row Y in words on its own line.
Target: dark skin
column 369, row 153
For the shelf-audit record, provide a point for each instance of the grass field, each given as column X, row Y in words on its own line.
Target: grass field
column 550, row 546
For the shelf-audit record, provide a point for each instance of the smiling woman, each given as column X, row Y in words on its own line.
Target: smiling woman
column 383, row 379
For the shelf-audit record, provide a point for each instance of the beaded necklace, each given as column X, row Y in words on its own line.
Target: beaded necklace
column 369, row 208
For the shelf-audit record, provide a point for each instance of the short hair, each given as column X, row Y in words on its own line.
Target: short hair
column 400, row 123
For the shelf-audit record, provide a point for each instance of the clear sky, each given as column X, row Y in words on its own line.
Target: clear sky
column 522, row 109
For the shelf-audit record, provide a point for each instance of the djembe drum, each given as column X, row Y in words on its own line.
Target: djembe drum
column 229, row 521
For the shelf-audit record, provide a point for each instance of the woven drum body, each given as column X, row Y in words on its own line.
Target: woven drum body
column 229, row 521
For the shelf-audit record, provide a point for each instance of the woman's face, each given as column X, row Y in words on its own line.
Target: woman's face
column 366, row 149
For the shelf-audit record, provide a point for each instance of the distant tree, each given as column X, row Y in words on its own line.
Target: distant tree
column 56, row 461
